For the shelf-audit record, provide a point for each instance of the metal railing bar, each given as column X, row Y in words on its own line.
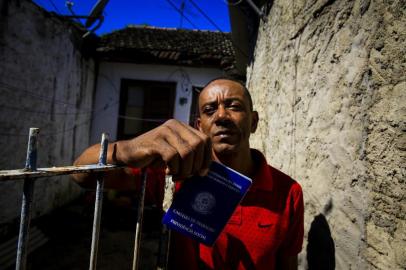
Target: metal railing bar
column 7, row 175
column 98, row 204
column 28, row 191
column 140, row 217
column 163, row 252
column 165, row 238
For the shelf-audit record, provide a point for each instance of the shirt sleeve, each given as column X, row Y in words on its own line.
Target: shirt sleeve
column 294, row 239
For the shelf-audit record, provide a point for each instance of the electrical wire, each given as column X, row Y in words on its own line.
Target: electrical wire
column 47, row 135
column 27, row 110
column 206, row 16
column 157, row 120
column 209, row 19
column 181, row 13
column 232, row 4
column 10, row 88
column 55, row 7
column 13, row 89
column 95, row 112
column 216, row 26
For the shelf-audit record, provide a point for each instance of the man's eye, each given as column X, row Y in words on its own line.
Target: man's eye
column 235, row 106
column 209, row 110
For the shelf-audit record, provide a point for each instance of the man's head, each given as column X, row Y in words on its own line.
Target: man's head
column 226, row 116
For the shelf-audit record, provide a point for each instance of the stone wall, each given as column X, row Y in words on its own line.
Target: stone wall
column 45, row 82
column 328, row 79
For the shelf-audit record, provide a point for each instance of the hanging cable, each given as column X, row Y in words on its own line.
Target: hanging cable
column 55, row 7
column 181, row 13
column 232, row 4
column 142, row 119
column 206, row 16
column 216, row 26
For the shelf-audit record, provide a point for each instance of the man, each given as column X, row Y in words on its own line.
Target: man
column 266, row 229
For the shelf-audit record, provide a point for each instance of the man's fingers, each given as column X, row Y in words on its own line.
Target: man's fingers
column 191, row 146
column 207, row 158
column 184, row 150
column 170, row 157
column 179, row 138
column 205, row 154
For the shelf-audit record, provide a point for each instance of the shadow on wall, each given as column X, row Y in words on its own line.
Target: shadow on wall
column 320, row 245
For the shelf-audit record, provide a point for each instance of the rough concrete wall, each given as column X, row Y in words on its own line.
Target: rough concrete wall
column 329, row 81
column 45, row 82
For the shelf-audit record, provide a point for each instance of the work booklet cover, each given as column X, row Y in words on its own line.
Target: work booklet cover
column 203, row 205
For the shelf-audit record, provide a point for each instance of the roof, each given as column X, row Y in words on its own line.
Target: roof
column 145, row 44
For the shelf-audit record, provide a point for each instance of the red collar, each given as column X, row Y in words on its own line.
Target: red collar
column 262, row 179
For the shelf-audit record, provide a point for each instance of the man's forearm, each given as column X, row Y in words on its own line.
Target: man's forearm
column 180, row 148
column 91, row 156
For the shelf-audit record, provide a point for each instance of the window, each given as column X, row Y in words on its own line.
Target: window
column 194, row 109
column 144, row 105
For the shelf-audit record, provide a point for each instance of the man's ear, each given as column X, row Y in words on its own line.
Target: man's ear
column 197, row 124
column 254, row 121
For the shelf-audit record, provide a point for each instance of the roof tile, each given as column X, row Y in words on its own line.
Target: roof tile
column 168, row 46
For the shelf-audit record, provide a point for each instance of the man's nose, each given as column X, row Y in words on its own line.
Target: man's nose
column 222, row 115
column 221, row 112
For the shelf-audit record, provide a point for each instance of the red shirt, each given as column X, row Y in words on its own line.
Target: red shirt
column 268, row 223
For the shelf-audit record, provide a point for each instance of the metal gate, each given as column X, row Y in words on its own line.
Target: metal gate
column 31, row 172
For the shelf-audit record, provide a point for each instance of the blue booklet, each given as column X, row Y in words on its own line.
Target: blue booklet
column 203, row 205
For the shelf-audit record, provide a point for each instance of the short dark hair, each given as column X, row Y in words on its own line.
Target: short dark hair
column 240, row 82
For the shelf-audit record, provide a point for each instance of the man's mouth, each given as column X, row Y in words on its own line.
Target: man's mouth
column 224, row 133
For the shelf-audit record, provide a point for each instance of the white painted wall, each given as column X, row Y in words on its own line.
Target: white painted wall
column 109, row 83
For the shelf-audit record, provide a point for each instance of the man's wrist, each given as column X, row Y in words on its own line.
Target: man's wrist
column 117, row 154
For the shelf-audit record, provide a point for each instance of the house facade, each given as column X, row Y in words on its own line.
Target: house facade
column 147, row 75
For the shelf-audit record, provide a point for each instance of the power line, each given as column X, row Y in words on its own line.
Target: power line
column 49, row 134
column 7, row 87
column 72, row 128
column 209, row 19
column 96, row 112
column 26, row 110
column 205, row 15
column 157, row 120
column 12, row 89
column 181, row 13
column 55, row 7
column 216, row 26
column 232, row 4
column 182, row 8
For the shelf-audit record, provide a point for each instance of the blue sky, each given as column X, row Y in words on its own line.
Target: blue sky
column 120, row 13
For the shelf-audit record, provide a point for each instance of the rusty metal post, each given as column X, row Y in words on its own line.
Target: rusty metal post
column 28, row 191
column 98, row 203
column 140, row 217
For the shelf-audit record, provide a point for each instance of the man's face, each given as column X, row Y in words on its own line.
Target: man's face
column 226, row 116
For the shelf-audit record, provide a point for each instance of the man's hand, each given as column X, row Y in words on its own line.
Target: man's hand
column 182, row 149
column 179, row 148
